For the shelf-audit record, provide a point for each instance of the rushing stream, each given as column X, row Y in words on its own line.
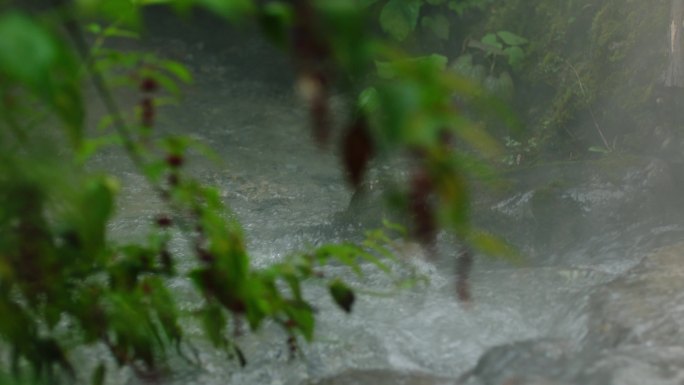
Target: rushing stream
column 287, row 193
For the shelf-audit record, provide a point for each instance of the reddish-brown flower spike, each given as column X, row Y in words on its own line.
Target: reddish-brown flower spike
column 464, row 265
column 421, row 210
column 357, row 150
column 147, row 112
column 163, row 221
column 174, row 160
column 148, row 85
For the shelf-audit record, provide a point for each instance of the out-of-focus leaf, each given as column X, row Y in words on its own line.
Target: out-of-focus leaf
column 178, row 70
column 493, row 245
column 429, row 63
column 126, row 12
column 302, row 315
column 233, row 10
column 367, row 3
column 214, row 324
column 515, row 56
column 491, row 40
column 27, row 51
column 438, row 24
column 511, row 39
column 98, row 377
column 30, row 55
column 368, row 99
column 99, row 198
column 276, row 17
column 399, row 17
column 342, row 295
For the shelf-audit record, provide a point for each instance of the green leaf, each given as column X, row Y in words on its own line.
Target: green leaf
column 178, row 70
column 430, row 64
column 368, row 99
column 114, row 31
column 342, row 294
column 276, row 18
column 515, row 56
column 234, row 10
column 214, row 323
column 491, row 40
column 126, row 12
column 458, row 6
column 302, row 315
column 98, row 377
column 367, row 3
column 511, row 39
column 438, row 24
column 31, row 56
column 436, row 2
column 399, row 17
column 27, row 51
column 493, row 245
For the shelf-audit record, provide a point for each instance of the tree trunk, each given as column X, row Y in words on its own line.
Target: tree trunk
column 674, row 75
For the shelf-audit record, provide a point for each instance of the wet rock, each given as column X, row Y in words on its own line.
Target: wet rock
column 634, row 336
column 537, row 362
column 645, row 306
column 552, row 208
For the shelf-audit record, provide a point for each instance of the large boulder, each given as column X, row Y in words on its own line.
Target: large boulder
column 634, row 336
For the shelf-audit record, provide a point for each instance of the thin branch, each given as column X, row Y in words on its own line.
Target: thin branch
column 591, row 109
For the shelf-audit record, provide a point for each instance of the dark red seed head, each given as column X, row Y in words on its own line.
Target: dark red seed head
column 147, row 112
column 164, row 221
column 174, row 160
column 148, row 85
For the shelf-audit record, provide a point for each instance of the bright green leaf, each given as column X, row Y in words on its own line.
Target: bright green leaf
column 302, row 315
column 27, row 51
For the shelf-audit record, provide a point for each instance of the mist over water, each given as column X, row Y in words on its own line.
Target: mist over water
column 288, row 194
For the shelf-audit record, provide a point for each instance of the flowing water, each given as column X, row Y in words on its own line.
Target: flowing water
column 287, row 192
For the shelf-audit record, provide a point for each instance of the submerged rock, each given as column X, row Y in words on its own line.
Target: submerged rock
column 634, row 336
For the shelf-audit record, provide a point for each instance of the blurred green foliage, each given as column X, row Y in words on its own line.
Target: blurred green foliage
column 64, row 284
